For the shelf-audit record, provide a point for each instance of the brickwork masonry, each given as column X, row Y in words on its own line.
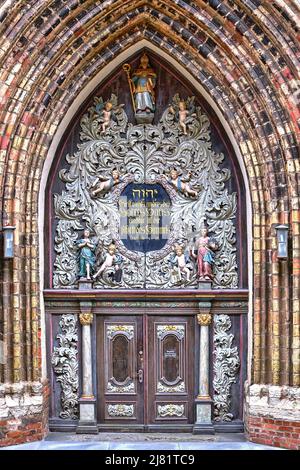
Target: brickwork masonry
column 273, row 415
column 23, row 412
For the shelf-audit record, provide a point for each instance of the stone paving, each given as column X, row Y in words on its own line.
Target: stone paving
column 145, row 441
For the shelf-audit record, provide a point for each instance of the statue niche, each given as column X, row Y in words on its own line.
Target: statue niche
column 152, row 198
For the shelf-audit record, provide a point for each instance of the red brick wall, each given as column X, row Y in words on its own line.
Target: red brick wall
column 27, row 428
column 274, row 432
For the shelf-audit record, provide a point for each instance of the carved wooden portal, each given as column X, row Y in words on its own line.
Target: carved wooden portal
column 144, row 370
column 144, row 191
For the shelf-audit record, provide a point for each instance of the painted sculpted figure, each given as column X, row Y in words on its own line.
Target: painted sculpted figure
column 106, row 116
column 182, row 114
column 144, row 79
column 181, row 264
column 86, row 255
column 181, row 184
column 205, row 247
column 106, row 184
column 112, row 260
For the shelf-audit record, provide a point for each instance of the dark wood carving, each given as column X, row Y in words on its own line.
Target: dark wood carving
column 168, row 84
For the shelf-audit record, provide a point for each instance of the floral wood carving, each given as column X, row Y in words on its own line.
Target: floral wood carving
column 144, row 154
column 65, row 366
column 226, row 367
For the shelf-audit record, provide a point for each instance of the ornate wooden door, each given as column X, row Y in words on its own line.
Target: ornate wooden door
column 171, row 370
column 120, row 370
column 145, row 370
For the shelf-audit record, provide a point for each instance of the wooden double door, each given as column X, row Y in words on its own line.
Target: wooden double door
column 145, row 371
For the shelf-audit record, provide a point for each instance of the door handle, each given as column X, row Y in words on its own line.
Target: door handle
column 140, row 376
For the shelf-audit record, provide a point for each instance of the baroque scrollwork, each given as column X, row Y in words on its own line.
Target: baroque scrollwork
column 162, row 388
column 65, row 366
column 175, row 154
column 163, row 330
column 115, row 329
column 120, row 411
column 129, row 388
column 226, row 366
column 170, row 410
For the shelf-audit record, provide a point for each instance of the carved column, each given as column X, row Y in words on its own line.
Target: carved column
column 87, row 402
column 204, row 402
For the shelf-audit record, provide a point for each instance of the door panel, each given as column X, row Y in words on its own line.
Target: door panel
column 171, row 372
column 119, row 344
column 145, row 370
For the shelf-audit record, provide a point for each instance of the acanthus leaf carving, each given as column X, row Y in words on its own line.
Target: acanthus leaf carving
column 170, row 410
column 226, row 367
column 65, row 365
column 145, row 154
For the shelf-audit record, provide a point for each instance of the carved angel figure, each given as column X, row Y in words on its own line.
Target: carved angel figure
column 181, row 264
column 112, row 260
column 105, row 184
column 107, row 112
column 181, row 113
column 181, row 184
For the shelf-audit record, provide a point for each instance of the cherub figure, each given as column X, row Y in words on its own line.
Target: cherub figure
column 86, row 255
column 112, row 259
column 182, row 115
column 181, row 184
column 107, row 115
column 106, row 184
column 107, row 112
column 180, row 262
column 205, row 247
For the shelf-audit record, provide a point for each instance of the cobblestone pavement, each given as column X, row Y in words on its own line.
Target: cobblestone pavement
column 141, row 441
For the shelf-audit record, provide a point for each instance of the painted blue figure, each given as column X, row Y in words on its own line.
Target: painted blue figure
column 86, row 255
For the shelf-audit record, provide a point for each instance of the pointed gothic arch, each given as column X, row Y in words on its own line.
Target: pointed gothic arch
column 249, row 69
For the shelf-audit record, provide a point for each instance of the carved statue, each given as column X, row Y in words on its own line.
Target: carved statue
column 205, row 247
column 142, row 84
column 107, row 114
column 106, row 184
column 181, row 264
column 183, row 112
column 112, row 260
column 144, row 79
column 86, row 255
column 181, row 184
column 182, row 115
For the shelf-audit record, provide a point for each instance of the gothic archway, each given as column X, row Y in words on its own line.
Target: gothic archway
column 245, row 59
column 211, row 194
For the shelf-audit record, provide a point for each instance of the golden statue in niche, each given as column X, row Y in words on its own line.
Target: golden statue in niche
column 142, row 84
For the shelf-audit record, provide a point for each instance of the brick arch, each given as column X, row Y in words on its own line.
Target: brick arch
column 244, row 57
